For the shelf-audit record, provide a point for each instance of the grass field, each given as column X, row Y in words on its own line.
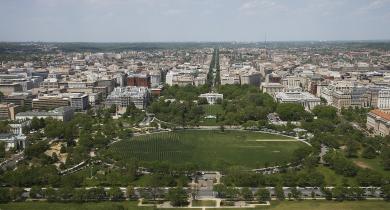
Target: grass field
column 333, row 179
column 208, row 149
column 285, row 205
column 374, row 164
column 327, row 205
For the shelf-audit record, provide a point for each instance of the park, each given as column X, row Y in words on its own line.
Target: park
column 208, row 149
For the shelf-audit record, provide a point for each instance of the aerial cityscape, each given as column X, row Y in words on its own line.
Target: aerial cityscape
column 145, row 104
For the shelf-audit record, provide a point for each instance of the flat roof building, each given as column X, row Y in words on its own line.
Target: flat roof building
column 61, row 113
column 307, row 100
column 124, row 96
column 379, row 121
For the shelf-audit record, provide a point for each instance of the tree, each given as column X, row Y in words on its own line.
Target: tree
column 35, row 150
column 54, row 128
column 2, row 149
column 300, row 154
column 327, row 193
column 352, row 149
column 36, row 192
column 115, row 194
column 369, row 152
column 65, row 193
column 386, row 192
column 51, row 194
column 385, row 156
column 1, row 96
column 177, row 196
column 130, row 192
column 246, row 194
column 340, row 164
column 37, row 124
column 313, row 195
column 80, row 195
column 202, row 101
column 295, row 193
column 5, row 195
column 325, row 112
column 291, row 111
column 279, row 192
column 339, row 193
column 112, row 109
column 369, row 177
column 220, row 189
column 263, row 195
column 4, row 127
column 17, row 193
column 63, row 149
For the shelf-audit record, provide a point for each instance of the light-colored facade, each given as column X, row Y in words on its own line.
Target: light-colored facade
column 379, row 121
column 272, row 88
column 384, row 99
column 211, row 97
column 307, row 100
column 13, row 141
column 124, row 96
column 61, row 113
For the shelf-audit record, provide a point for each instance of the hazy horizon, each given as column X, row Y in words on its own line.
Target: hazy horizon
column 137, row 21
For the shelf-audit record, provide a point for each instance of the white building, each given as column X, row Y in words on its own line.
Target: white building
column 384, row 99
column 307, row 100
column 155, row 79
column 124, row 96
column 272, row 88
column 211, row 97
column 13, row 141
column 61, row 113
column 292, row 82
column 379, row 122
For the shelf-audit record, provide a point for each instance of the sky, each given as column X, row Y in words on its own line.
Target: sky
column 193, row 20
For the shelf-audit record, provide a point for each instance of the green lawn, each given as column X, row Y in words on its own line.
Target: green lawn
column 324, row 205
column 208, row 149
column 213, row 109
column 285, row 205
column 329, row 205
column 333, row 179
column 374, row 164
column 199, row 203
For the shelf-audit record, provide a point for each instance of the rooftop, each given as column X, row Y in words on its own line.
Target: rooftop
column 380, row 113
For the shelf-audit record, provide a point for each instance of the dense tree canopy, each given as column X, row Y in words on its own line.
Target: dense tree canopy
column 292, row 112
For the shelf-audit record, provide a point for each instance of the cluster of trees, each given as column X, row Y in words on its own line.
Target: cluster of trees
column 232, row 193
column 340, row 164
column 186, row 113
column 2, row 150
column 177, row 196
column 66, row 194
column 292, row 112
column 244, row 104
column 355, row 114
column 93, row 130
column 241, row 104
column 4, row 127
column 303, row 178
column 133, row 114
column 46, row 175
column 186, row 93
